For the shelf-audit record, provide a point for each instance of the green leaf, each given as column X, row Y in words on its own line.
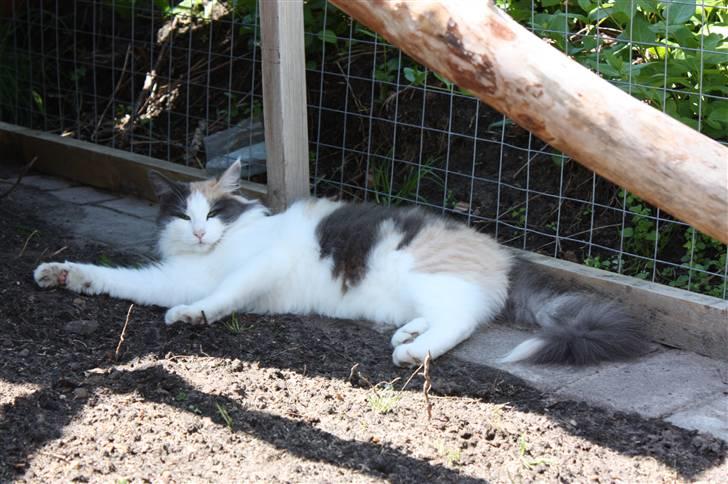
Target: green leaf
column 678, row 11
column 415, row 76
column 627, row 232
column 638, row 30
column 327, row 36
column 586, row 5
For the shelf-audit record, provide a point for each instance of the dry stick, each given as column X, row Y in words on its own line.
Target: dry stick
column 25, row 246
column 427, row 385
column 411, row 377
column 113, row 94
column 23, row 172
column 123, row 333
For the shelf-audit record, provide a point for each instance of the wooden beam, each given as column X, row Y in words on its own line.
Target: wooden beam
column 96, row 165
column 483, row 50
column 284, row 101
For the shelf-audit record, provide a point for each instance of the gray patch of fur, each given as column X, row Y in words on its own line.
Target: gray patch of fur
column 172, row 196
column 229, row 209
column 576, row 327
column 349, row 233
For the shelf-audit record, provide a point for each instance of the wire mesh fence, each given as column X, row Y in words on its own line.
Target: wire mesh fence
column 156, row 77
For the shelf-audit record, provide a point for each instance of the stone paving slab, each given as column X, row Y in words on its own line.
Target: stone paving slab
column 134, row 207
column 45, row 183
column 655, row 386
column 83, row 195
column 491, row 343
column 116, row 229
column 711, row 417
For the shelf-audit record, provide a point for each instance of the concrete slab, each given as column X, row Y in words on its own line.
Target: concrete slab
column 712, row 417
column 83, row 195
column 116, row 229
column 45, row 183
column 655, row 386
column 488, row 345
column 133, row 206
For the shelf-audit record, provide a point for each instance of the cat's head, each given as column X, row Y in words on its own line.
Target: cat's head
column 194, row 217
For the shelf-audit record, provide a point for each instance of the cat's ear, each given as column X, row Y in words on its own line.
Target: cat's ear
column 161, row 184
column 230, row 180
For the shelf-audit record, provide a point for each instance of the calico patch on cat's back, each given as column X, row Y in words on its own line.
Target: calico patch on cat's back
column 349, row 233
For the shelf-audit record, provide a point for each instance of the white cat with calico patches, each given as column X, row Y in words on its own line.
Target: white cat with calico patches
column 434, row 280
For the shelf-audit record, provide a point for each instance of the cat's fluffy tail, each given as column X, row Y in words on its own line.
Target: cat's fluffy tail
column 577, row 328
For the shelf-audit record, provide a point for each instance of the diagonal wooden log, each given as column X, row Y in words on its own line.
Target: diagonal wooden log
column 483, row 50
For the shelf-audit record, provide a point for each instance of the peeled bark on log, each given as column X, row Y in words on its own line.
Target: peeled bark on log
column 483, row 50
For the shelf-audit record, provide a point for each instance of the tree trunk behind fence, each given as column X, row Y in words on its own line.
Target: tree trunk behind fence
column 483, row 50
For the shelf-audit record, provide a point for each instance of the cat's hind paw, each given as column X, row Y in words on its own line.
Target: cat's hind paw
column 184, row 314
column 51, row 274
column 408, row 332
column 408, row 355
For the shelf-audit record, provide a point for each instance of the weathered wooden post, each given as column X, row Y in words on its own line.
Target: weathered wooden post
column 483, row 50
column 284, row 100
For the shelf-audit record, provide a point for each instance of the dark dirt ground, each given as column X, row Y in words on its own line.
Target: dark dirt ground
column 275, row 399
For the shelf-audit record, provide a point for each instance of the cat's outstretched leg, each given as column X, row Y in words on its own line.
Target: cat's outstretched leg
column 233, row 294
column 156, row 284
column 451, row 309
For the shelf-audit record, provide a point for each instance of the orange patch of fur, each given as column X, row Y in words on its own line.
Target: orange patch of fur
column 444, row 248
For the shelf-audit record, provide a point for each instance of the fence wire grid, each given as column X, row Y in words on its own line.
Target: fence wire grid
column 156, row 77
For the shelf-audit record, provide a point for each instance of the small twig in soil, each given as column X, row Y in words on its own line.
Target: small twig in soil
column 37, row 259
column 51, row 454
column 25, row 245
column 427, row 385
column 58, row 251
column 411, row 377
column 22, row 173
column 123, row 334
column 204, row 318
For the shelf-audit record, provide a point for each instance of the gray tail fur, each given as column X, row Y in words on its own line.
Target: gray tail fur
column 577, row 328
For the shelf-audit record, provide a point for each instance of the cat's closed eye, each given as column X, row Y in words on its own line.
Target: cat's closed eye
column 213, row 213
column 181, row 215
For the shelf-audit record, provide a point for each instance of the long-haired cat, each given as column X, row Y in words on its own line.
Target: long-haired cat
column 433, row 279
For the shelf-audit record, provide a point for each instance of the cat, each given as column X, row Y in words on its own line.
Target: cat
column 433, row 279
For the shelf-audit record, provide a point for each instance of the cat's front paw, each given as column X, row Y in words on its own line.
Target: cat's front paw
column 185, row 314
column 64, row 274
column 51, row 274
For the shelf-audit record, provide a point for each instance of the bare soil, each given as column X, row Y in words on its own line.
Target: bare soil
column 276, row 399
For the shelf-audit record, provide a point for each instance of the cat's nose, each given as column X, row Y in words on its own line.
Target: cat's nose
column 199, row 234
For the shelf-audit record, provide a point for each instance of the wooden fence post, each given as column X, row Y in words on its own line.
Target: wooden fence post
column 483, row 50
column 284, row 101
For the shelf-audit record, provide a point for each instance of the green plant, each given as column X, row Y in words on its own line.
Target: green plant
column 703, row 259
column 527, row 460
column 410, row 177
column 233, row 324
column 669, row 54
column 451, row 456
column 225, row 415
column 383, row 398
